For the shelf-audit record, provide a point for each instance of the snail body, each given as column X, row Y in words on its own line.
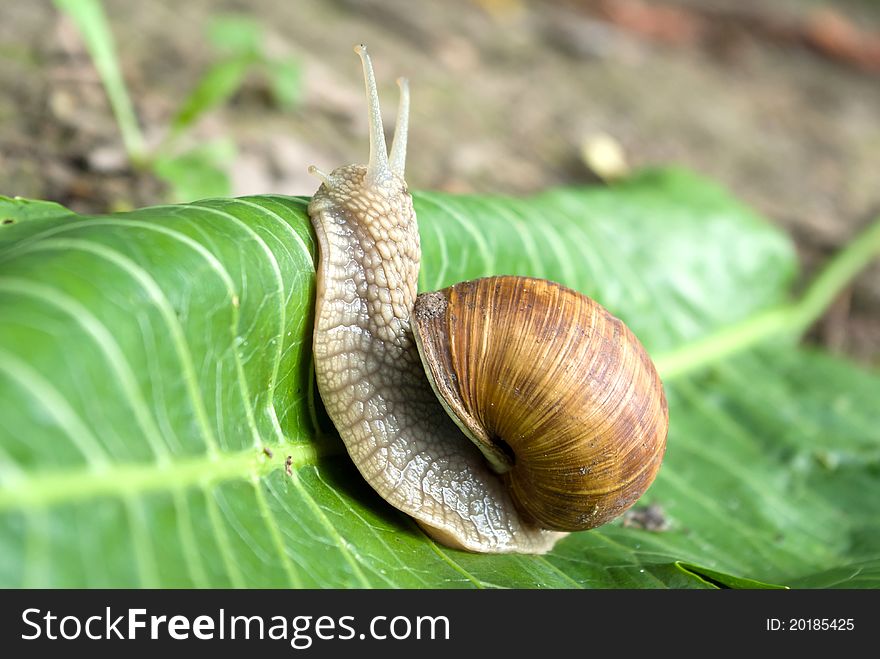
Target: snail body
column 499, row 413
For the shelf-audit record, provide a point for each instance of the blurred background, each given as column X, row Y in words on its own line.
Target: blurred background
column 778, row 101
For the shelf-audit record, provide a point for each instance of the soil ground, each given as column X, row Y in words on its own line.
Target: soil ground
column 779, row 101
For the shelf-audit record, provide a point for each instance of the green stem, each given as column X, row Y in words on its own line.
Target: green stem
column 791, row 319
column 837, row 274
column 89, row 17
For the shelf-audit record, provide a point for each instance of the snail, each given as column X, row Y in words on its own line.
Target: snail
column 499, row 413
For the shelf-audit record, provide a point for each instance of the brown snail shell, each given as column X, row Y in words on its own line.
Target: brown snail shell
column 558, row 394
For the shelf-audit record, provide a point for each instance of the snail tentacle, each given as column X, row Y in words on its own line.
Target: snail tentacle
column 377, row 166
column 398, row 144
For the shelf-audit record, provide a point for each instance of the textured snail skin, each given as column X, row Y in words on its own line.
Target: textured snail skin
column 373, row 384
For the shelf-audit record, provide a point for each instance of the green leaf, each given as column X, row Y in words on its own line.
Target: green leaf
column 722, row 580
column 214, row 88
column 198, row 173
column 285, row 80
column 18, row 209
column 235, row 35
column 155, row 376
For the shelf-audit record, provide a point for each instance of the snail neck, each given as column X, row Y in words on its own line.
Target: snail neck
column 369, row 256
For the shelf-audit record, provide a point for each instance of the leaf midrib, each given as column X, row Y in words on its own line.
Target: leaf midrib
column 42, row 489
